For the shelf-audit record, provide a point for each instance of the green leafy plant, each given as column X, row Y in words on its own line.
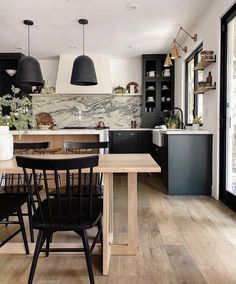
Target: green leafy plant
column 197, row 120
column 21, row 113
column 173, row 121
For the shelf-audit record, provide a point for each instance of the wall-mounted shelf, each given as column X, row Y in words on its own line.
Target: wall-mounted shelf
column 204, row 63
column 205, row 89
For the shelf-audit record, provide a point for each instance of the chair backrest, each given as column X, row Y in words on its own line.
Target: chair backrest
column 85, row 147
column 16, row 182
column 60, row 207
column 31, row 148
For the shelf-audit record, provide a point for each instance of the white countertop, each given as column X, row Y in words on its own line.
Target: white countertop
column 58, row 131
column 130, row 129
column 182, row 131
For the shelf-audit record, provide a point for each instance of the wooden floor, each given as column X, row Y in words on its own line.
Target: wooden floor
column 181, row 240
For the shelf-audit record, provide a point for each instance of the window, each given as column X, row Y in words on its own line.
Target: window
column 193, row 102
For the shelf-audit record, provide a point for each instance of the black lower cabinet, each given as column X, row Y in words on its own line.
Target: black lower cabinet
column 129, row 141
column 186, row 163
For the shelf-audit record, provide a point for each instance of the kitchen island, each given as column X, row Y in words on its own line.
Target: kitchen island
column 58, row 136
column 185, row 157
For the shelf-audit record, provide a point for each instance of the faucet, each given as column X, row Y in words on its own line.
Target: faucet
column 181, row 115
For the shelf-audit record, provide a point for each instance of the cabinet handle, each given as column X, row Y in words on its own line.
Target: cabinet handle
column 132, row 134
column 118, row 134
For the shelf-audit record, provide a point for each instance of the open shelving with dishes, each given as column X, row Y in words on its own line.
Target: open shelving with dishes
column 158, row 88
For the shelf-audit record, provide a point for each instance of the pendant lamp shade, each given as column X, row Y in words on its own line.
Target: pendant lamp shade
column 29, row 72
column 175, row 53
column 83, row 71
column 168, row 61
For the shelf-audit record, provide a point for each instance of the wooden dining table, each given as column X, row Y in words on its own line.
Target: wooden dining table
column 131, row 164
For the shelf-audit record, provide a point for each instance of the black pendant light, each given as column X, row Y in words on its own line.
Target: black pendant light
column 29, row 72
column 83, row 72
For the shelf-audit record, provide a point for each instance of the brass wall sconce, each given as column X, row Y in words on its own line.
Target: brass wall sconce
column 174, row 48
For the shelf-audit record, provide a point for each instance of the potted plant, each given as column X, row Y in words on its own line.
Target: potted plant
column 173, row 121
column 19, row 115
column 197, row 120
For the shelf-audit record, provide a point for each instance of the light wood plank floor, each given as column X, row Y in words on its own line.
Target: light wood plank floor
column 181, row 240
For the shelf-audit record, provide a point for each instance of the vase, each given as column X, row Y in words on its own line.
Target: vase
column 195, row 127
column 6, row 144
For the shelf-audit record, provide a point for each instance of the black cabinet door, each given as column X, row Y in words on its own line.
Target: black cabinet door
column 124, row 142
column 144, row 141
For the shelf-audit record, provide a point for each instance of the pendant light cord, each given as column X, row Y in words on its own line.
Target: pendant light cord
column 83, row 39
column 28, row 40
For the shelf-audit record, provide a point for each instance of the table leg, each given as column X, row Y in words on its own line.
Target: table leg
column 132, row 213
column 131, row 247
column 107, row 215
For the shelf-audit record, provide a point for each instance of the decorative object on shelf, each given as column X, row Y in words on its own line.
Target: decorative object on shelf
column 207, row 54
column 6, row 144
column 119, row 90
column 83, row 71
column 209, row 79
column 151, row 74
column 150, row 88
column 29, row 72
column 166, row 73
column 164, row 87
column 207, row 58
column 45, row 121
column 11, row 72
column 21, row 113
column 133, row 124
column 174, row 49
column 100, row 123
column 197, row 120
column 132, row 87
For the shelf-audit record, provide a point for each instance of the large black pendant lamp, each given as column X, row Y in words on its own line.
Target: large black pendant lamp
column 83, row 72
column 29, row 72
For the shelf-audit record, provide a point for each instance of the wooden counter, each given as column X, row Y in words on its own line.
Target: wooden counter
column 57, row 137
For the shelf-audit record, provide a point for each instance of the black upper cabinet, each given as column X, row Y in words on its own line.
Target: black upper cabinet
column 9, row 61
column 158, row 89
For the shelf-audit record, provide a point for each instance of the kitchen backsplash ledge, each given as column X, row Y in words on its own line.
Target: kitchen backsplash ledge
column 86, row 110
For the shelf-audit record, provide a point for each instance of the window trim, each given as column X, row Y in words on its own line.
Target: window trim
column 193, row 55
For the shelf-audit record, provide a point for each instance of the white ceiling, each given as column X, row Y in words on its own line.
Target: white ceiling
column 111, row 30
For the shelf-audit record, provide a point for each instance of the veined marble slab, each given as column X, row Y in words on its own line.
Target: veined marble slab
column 76, row 110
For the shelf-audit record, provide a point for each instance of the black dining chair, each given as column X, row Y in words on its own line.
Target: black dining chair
column 62, row 212
column 15, row 183
column 10, row 204
column 88, row 148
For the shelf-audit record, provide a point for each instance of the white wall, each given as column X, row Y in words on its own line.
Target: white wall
column 124, row 71
column 208, row 30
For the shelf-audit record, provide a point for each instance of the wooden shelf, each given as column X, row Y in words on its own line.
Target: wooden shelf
column 204, row 89
column 204, row 63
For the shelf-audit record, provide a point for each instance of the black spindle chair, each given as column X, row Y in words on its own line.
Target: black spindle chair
column 62, row 212
column 15, row 183
column 10, row 204
column 88, row 148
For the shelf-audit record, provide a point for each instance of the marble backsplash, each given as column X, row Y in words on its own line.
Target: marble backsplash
column 116, row 111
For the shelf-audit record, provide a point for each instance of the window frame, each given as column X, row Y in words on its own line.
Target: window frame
column 193, row 55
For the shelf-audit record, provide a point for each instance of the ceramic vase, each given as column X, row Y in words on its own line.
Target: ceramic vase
column 6, row 144
column 195, row 127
